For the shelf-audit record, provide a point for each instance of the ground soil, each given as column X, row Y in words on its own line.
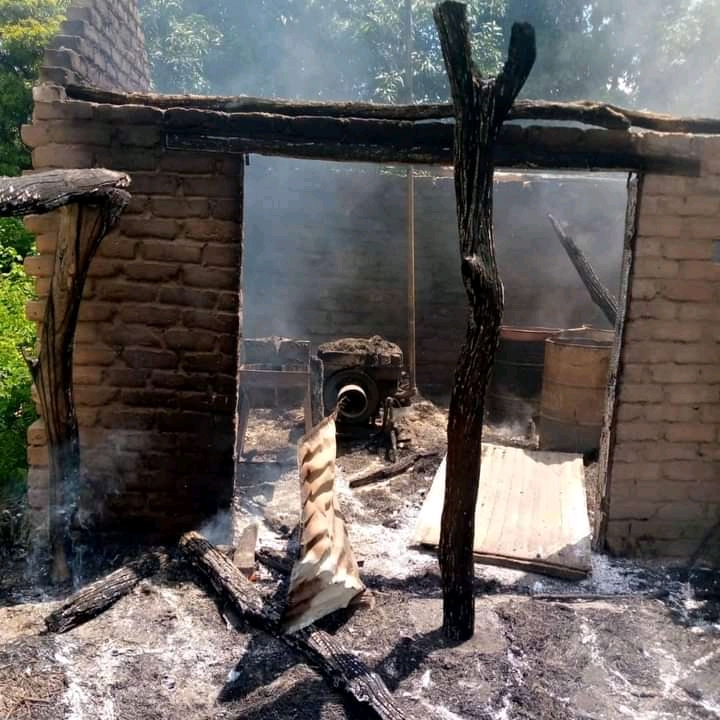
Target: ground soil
column 632, row 641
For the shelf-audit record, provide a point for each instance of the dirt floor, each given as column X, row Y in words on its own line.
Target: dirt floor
column 631, row 641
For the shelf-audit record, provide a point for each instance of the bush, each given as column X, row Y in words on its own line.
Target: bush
column 17, row 410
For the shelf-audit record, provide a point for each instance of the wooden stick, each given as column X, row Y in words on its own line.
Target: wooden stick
column 365, row 477
column 97, row 597
column 342, row 670
column 599, row 294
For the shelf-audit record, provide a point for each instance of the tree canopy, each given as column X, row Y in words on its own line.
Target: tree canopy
column 661, row 54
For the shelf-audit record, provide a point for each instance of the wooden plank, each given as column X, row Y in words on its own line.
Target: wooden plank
column 530, row 514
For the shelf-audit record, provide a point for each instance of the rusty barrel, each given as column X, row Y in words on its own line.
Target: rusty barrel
column 516, row 382
column 574, row 389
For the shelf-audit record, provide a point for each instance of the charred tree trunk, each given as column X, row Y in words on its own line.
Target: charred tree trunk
column 599, row 294
column 82, row 227
column 339, row 666
column 91, row 202
column 89, row 602
column 481, row 106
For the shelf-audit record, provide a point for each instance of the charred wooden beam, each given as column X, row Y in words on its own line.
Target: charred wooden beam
column 44, row 191
column 399, row 141
column 91, row 202
column 588, row 112
column 366, row 477
column 599, row 294
column 339, row 666
column 97, row 597
column 481, row 106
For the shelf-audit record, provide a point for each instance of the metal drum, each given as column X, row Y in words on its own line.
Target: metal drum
column 574, row 389
column 516, row 383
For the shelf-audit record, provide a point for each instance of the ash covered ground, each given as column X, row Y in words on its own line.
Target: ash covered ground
column 632, row 641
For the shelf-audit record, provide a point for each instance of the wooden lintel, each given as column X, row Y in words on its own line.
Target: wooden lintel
column 532, row 148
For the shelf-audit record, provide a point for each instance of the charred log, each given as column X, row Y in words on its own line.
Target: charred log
column 366, row 477
column 339, row 666
column 97, row 597
column 599, row 294
column 91, row 202
column 480, row 106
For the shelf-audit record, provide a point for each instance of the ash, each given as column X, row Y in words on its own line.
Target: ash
column 634, row 640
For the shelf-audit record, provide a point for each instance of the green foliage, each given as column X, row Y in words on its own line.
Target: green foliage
column 178, row 41
column 17, row 410
column 26, row 27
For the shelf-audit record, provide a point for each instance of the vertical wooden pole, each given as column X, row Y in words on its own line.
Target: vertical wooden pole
column 480, row 106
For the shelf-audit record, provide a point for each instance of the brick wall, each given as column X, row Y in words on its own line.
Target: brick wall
column 326, row 253
column 156, row 344
column 101, row 44
column 665, row 471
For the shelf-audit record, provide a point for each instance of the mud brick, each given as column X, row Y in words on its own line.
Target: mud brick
column 96, row 311
column 117, row 246
column 692, row 394
column 205, row 277
column 179, row 381
column 687, row 249
column 151, row 359
column 175, row 251
column 187, row 163
column 37, row 455
column 221, row 255
column 88, row 375
column 149, row 398
column 702, row 291
column 39, row 265
column 690, row 432
column 208, row 362
column 180, row 207
column 54, row 155
column 86, row 355
column 188, row 297
column 126, row 335
column 153, row 315
column 182, row 339
column 152, row 271
column 648, row 392
column 217, row 321
column 36, row 434
column 128, row 419
column 184, row 421
column 153, row 227
column 119, row 290
column 228, row 301
column 212, row 229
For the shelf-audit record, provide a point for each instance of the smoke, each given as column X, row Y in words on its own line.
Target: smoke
column 218, row 529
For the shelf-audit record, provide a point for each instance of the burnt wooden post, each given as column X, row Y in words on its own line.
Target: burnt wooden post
column 599, row 294
column 91, row 202
column 481, row 106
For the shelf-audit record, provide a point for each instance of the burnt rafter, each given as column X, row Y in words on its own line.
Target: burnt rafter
column 588, row 112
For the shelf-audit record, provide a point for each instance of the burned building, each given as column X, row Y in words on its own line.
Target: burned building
column 156, row 354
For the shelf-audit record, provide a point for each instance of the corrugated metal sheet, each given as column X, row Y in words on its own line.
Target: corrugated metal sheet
column 325, row 576
column 531, row 512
